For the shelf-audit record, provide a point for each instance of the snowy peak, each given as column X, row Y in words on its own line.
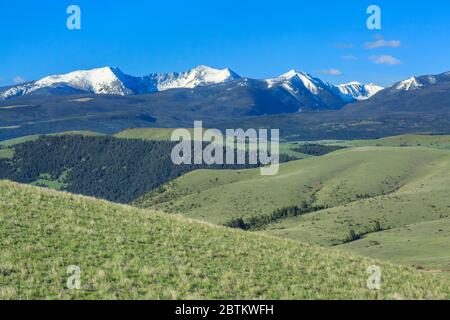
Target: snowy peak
column 408, row 84
column 357, row 91
column 110, row 80
column 99, row 81
column 295, row 79
column 198, row 76
column 421, row 82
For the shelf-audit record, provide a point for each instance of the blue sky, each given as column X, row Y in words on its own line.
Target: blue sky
column 255, row 38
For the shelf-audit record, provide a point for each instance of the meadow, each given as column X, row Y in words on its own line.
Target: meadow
column 129, row 253
column 384, row 202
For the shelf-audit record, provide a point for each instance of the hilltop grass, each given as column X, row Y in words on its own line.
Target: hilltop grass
column 129, row 253
column 164, row 134
column 408, row 140
column 85, row 133
column 11, row 142
column 158, row 134
column 6, row 153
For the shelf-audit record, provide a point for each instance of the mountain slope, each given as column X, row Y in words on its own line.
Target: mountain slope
column 311, row 93
column 128, row 253
column 428, row 94
column 356, row 91
column 113, row 81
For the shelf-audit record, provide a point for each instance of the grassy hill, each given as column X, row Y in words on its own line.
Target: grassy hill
column 6, row 153
column 148, row 133
column 327, row 181
column 165, row 134
column 409, row 140
column 7, row 146
column 374, row 201
column 129, row 253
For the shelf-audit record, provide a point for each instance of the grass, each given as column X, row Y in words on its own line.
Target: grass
column 378, row 192
column 424, row 245
column 148, row 133
column 85, row 133
column 166, row 133
column 12, row 142
column 46, row 180
column 129, row 253
column 6, row 153
column 409, row 140
column 415, row 219
column 331, row 180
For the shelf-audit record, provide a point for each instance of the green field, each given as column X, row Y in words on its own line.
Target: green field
column 148, row 133
column 166, row 133
column 379, row 193
column 6, row 153
column 129, row 253
column 331, row 180
column 409, row 140
column 85, row 133
column 12, row 142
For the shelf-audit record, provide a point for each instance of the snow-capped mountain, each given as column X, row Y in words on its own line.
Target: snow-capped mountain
column 113, row 81
column 429, row 94
column 420, row 82
column 300, row 84
column 296, row 89
column 294, row 79
column 408, row 84
column 199, row 76
column 356, row 91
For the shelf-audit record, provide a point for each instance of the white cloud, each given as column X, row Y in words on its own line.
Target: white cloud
column 18, row 80
column 380, row 43
column 349, row 57
column 385, row 59
column 332, row 72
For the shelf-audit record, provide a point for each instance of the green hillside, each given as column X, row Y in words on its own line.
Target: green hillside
column 6, row 153
column 147, row 133
column 129, row 253
column 327, row 181
column 165, row 134
column 8, row 145
column 12, row 142
column 366, row 198
column 409, row 140
column 85, row 133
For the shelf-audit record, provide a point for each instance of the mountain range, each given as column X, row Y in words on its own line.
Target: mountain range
column 301, row 105
column 311, row 93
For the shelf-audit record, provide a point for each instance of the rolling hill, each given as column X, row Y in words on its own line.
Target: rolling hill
column 328, row 181
column 346, row 199
column 129, row 253
column 410, row 140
